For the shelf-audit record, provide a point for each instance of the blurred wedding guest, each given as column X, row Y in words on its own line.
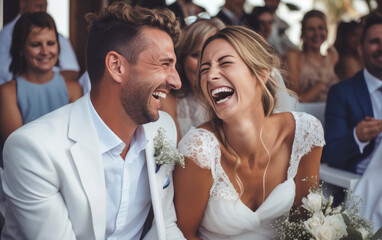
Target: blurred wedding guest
column 185, row 8
column 261, row 20
column 311, row 73
column 68, row 64
column 245, row 166
column 278, row 38
column 36, row 88
column 353, row 117
column 347, row 44
column 183, row 104
column 353, row 122
column 232, row 13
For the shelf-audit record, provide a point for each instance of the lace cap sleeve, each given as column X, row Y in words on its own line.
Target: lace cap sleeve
column 201, row 146
column 308, row 134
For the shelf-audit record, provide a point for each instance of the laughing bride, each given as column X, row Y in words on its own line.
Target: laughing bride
column 245, row 167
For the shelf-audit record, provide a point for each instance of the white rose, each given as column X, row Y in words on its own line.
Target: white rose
column 336, row 222
column 313, row 202
column 363, row 232
column 326, row 233
column 314, row 223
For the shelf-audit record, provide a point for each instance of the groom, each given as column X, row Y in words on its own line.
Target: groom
column 87, row 170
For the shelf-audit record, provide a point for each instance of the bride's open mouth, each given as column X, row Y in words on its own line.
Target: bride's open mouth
column 222, row 94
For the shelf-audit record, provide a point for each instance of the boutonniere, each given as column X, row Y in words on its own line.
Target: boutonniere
column 164, row 152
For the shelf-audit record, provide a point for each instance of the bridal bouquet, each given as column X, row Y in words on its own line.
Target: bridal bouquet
column 325, row 222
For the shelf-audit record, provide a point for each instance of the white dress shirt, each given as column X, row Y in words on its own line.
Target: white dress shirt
column 373, row 84
column 127, row 185
column 67, row 57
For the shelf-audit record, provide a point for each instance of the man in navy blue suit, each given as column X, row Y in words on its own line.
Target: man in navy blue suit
column 353, row 116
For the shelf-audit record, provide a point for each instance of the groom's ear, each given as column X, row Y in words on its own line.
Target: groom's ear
column 116, row 65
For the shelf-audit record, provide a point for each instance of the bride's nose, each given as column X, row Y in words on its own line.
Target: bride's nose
column 213, row 73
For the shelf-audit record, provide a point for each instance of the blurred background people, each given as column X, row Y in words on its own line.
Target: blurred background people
column 261, row 20
column 182, row 104
column 310, row 72
column 232, row 13
column 353, row 122
column 353, row 117
column 185, row 8
column 278, row 38
column 68, row 64
column 36, row 89
column 347, row 44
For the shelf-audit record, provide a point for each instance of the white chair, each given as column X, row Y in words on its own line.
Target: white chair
column 315, row 109
column 338, row 177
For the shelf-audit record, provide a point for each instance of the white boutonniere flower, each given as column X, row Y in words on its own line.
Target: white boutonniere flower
column 165, row 152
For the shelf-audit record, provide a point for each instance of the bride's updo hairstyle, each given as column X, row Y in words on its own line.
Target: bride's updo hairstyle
column 260, row 59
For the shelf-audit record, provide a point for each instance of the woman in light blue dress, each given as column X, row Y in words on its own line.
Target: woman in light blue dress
column 36, row 89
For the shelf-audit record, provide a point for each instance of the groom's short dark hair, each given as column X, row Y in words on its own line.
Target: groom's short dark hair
column 117, row 28
column 372, row 19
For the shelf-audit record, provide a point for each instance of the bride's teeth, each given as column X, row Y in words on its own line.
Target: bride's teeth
column 219, row 90
column 222, row 100
column 160, row 94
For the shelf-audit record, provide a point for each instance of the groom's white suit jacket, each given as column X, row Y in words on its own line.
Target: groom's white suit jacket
column 54, row 179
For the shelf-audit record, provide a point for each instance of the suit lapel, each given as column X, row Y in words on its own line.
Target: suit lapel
column 151, row 131
column 88, row 160
column 363, row 96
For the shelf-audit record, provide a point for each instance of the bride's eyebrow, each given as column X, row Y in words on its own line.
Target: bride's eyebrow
column 205, row 64
column 219, row 59
column 225, row 56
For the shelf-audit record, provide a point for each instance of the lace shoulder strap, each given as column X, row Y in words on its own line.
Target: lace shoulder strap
column 308, row 134
column 201, row 146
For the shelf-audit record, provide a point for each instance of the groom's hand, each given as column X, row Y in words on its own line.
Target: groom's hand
column 368, row 129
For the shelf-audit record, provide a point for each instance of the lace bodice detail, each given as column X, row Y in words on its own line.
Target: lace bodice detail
column 308, row 133
column 203, row 148
column 225, row 216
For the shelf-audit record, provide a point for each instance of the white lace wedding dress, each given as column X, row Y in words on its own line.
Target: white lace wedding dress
column 225, row 216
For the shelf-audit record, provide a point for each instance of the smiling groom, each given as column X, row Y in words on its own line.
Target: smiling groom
column 87, row 170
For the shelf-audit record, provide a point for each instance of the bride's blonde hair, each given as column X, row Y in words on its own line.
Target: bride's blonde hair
column 260, row 59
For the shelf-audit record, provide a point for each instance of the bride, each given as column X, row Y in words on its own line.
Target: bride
column 244, row 168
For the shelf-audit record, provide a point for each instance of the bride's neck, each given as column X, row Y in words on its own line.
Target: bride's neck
column 244, row 136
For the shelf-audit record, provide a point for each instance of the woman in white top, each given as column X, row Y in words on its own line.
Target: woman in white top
column 182, row 104
column 244, row 168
